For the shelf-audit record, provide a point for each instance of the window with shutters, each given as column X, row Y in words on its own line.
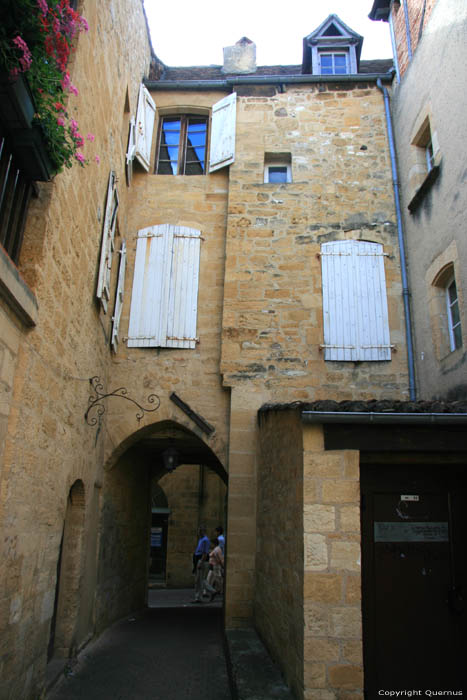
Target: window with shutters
column 445, row 305
column 108, row 243
column 182, row 142
column 182, row 145
column 164, row 299
column 355, row 312
column 140, row 133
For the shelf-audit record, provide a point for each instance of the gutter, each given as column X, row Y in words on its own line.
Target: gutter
column 400, row 236
column 365, row 418
column 227, row 83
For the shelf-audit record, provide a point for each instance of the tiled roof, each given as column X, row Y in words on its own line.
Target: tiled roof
column 215, row 72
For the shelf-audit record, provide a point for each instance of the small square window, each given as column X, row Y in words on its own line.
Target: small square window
column 277, row 170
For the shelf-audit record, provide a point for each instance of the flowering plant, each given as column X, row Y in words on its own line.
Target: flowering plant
column 36, row 38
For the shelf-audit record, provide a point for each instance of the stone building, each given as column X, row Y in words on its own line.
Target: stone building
column 429, row 38
column 222, row 295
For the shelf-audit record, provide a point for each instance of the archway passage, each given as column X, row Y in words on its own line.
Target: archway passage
column 132, row 520
column 66, row 607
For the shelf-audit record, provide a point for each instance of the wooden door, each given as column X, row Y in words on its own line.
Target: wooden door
column 414, row 572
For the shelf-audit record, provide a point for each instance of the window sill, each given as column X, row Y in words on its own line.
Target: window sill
column 426, row 185
column 16, row 293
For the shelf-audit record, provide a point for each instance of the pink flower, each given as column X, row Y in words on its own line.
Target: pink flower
column 90, row 137
column 73, row 89
column 97, row 159
column 79, row 156
column 26, row 58
column 74, row 127
column 60, row 121
column 66, row 81
column 84, row 24
column 43, row 6
column 79, row 140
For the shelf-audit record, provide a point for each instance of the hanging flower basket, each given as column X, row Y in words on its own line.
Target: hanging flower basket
column 30, row 148
column 17, row 106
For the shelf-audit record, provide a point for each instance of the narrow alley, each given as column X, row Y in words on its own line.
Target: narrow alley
column 173, row 652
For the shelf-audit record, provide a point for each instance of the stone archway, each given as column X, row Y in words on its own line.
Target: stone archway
column 66, row 607
column 126, row 517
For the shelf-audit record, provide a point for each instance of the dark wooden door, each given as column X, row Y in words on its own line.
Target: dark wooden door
column 414, row 572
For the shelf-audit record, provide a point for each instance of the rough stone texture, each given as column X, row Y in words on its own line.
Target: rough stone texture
column 279, row 557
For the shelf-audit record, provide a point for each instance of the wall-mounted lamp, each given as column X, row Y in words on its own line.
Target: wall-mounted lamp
column 170, row 458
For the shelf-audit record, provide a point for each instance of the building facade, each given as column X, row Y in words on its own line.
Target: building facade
column 221, row 295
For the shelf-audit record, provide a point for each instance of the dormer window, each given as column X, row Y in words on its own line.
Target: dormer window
column 333, row 63
column 332, row 49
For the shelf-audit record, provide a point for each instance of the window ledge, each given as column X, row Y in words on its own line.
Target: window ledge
column 426, row 185
column 16, row 293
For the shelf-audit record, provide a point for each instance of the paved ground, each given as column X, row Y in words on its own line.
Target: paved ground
column 173, row 651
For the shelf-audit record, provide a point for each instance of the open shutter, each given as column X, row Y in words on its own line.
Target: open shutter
column 107, row 245
column 131, row 151
column 119, row 297
column 355, row 313
column 165, row 288
column 144, row 127
column 223, row 121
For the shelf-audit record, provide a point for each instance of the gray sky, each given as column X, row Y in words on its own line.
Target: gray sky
column 190, row 33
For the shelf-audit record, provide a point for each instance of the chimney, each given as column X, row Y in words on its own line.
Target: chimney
column 240, row 58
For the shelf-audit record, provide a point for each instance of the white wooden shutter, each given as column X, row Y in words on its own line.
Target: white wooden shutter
column 355, row 313
column 223, row 122
column 144, row 127
column 119, row 297
column 131, row 151
column 107, row 245
column 164, row 299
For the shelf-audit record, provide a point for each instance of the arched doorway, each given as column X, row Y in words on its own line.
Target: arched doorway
column 174, row 458
column 66, row 606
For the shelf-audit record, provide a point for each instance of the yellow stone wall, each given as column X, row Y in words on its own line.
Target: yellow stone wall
column 46, row 368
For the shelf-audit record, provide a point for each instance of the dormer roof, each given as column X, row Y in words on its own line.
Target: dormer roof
column 331, row 35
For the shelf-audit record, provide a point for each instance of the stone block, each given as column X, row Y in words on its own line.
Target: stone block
column 345, row 555
column 349, row 518
column 323, row 588
column 336, row 491
column 343, row 676
column 345, row 622
column 318, row 518
column 316, row 553
column 314, row 675
column 325, row 650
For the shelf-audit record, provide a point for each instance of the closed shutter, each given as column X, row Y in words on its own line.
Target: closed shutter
column 107, row 245
column 355, row 313
column 119, row 297
column 223, row 122
column 144, row 127
column 164, row 299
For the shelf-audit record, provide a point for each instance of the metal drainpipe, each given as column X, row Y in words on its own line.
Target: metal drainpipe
column 407, row 29
column 400, row 235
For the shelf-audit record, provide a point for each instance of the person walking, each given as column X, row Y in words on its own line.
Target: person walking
column 200, row 563
column 221, row 538
column 214, row 581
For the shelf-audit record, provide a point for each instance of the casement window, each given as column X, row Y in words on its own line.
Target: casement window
column 333, row 63
column 108, row 242
column 355, row 312
column 183, row 140
column 140, row 133
column 119, row 298
column 15, row 192
column 453, row 315
column 182, row 145
column 164, row 299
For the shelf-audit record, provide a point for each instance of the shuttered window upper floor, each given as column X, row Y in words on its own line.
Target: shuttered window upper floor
column 188, row 142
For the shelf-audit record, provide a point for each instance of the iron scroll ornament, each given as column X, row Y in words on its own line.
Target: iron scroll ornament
column 121, row 393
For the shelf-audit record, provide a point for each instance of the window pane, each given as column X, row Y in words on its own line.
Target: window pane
column 169, row 145
column 196, row 146
column 452, row 291
column 277, row 173
column 455, row 313
column 457, row 336
column 326, row 60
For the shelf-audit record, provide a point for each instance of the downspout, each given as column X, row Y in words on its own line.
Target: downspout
column 407, row 30
column 400, row 235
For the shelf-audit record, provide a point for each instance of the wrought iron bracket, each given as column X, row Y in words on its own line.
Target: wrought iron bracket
column 95, row 401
